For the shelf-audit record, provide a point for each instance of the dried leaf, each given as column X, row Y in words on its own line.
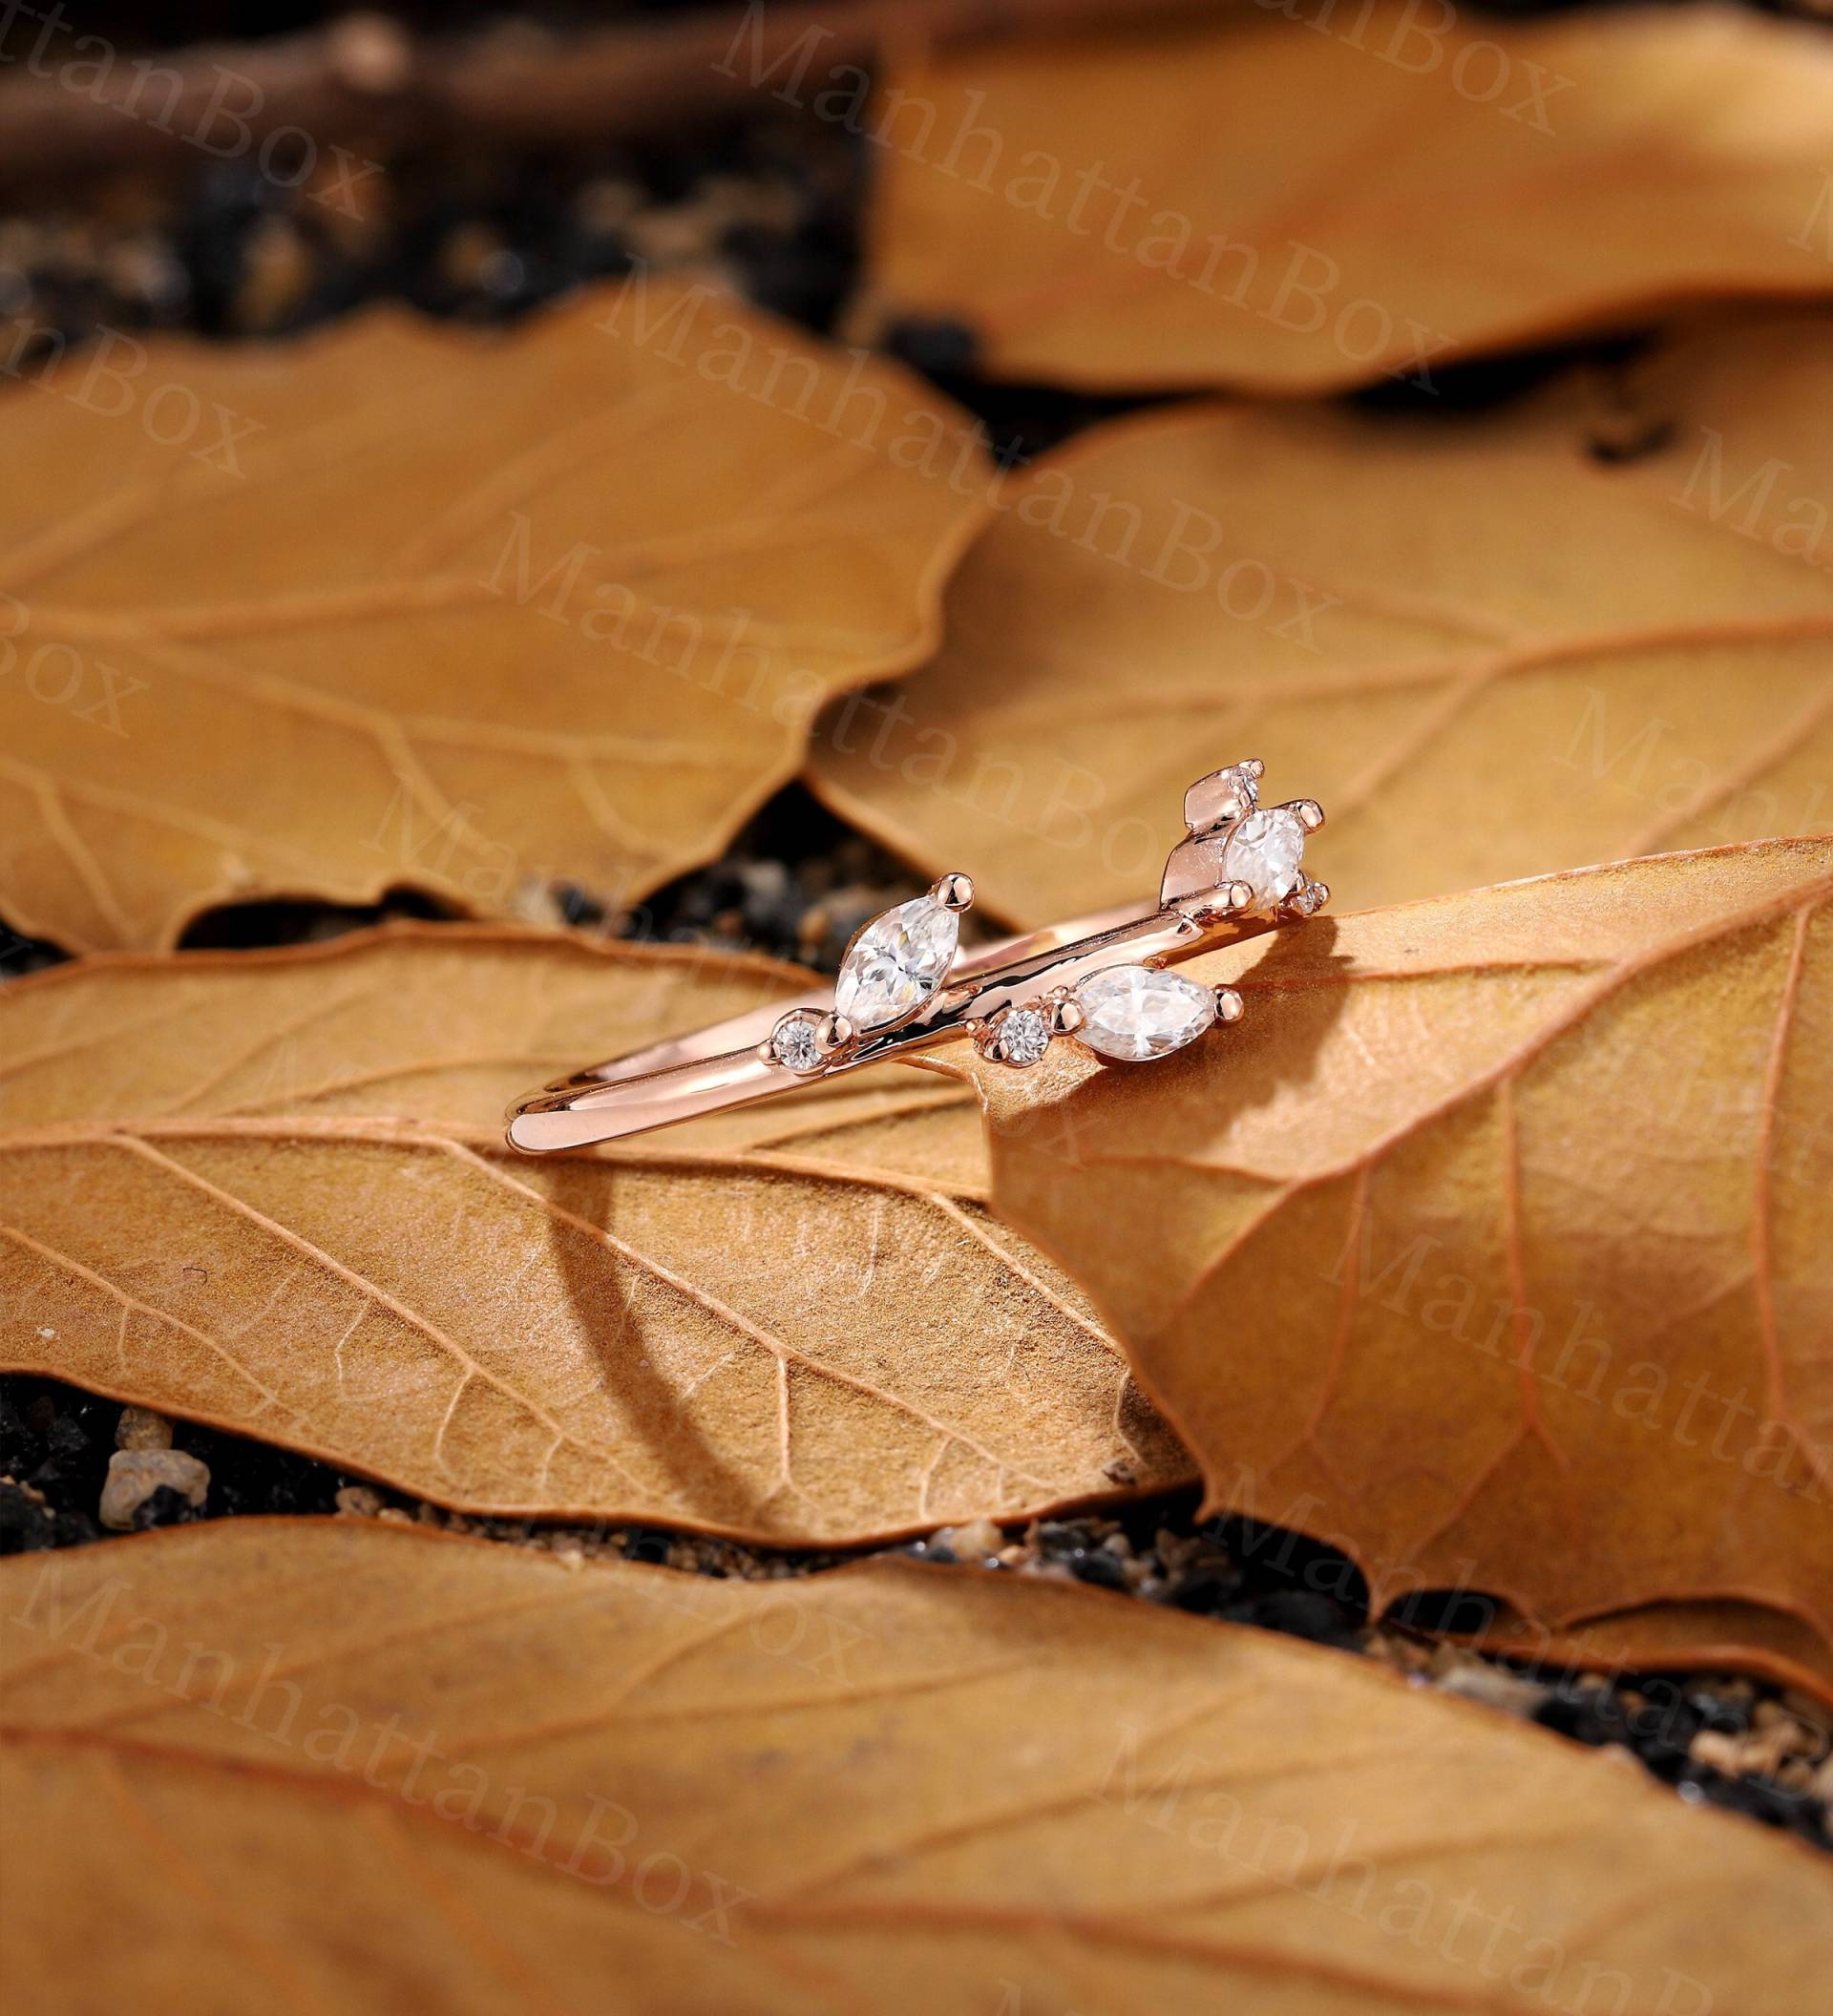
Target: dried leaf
column 1484, row 651
column 1493, row 1244
column 1670, row 1638
column 1302, row 204
column 892, row 1788
column 270, row 1190
column 394, row 605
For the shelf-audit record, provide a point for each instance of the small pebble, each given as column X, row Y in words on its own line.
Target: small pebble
column 371, row 53
column 140, row 1428
column 1786, row 1729
column 133, row 1475
column 359, row 1502
column 1477, row 1680
column 972, row 1541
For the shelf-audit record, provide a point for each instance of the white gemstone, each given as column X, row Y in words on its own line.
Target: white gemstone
column 896, row 963
column 1137, row 1012
column 1263, row 851
column 1025, row 1036
column 792, row 1043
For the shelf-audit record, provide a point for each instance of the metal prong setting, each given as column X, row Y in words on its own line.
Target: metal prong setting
column 1227, row 1005
column 954, row 890
column 1305, row 900
column 1064, row 1013
column 1211, row 906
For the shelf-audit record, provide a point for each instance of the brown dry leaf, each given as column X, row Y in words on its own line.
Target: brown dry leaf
column 1495, row 1245
column 270, row 1190
column 1485, row 651
column 395, row 605
column 1322, row 198
column 1670, row 1638
column 380, row 1770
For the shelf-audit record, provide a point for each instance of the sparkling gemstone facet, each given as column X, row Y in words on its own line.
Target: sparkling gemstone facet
column 1138, row 1012
column 1263, row 851
column 792, row 1043
column 1025, row 1036
column 896, row 963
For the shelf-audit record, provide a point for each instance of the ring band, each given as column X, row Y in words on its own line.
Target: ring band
column 1103, row 981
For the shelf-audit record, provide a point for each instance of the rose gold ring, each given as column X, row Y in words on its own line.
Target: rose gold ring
column 1103, row 981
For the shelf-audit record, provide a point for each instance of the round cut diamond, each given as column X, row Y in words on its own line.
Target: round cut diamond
column 1025, row 1036
column 1138, row 1012
column 896, row 963
column 792, row 1044
column 1263, row 851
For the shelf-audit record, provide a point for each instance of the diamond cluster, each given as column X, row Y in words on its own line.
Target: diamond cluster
column 1242, row 859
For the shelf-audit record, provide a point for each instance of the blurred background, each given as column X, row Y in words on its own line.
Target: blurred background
column 246, row 174
column 476, row 161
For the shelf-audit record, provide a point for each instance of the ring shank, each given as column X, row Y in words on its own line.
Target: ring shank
column 712, row 1069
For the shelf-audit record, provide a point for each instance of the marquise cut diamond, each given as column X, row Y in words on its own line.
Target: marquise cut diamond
column 896, row 963
column 1263, row 851
column 1140, row 1012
